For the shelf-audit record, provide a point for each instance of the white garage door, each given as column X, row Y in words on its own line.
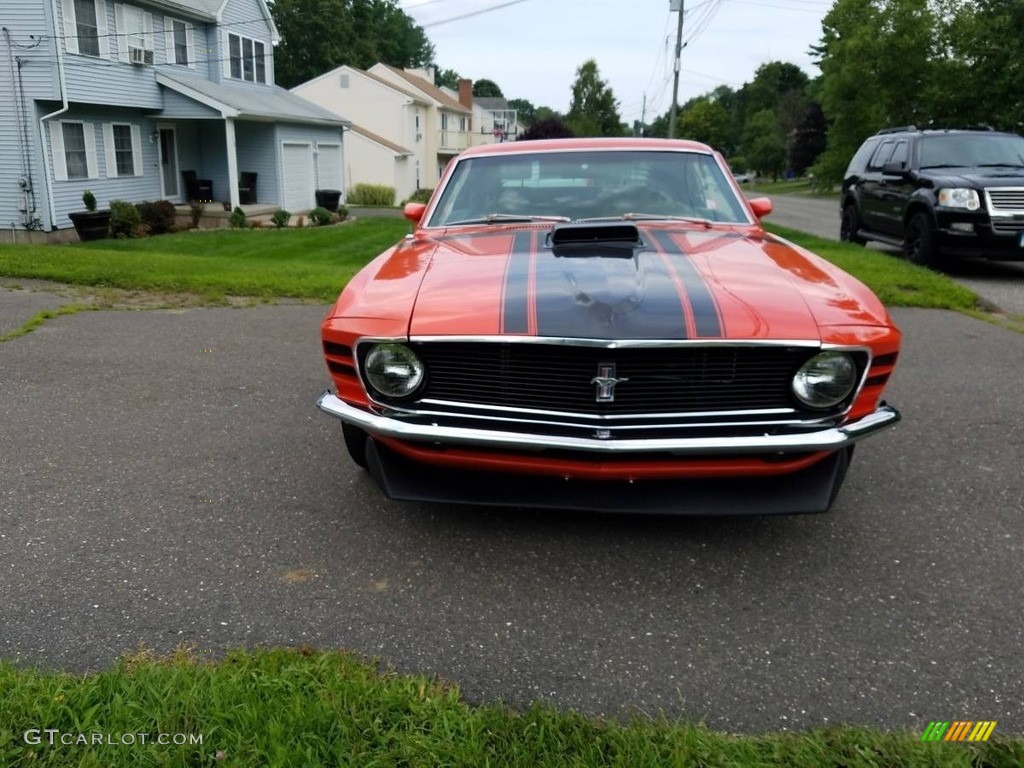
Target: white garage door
column 328, row 166
column 298, row 177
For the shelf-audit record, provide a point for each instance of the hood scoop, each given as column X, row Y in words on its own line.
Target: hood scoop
column 614, row 239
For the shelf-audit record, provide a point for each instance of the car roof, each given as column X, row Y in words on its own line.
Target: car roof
column 548, row 145
column 910, row 129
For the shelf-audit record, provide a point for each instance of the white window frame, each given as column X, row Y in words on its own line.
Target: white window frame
column 110, row 150
column 71, row 27
column 171, row 49
column 140, row 36
column 58, row 156
column 251, row 68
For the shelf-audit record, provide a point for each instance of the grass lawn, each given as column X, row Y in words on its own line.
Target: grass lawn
column 305, row 708
column 310, row 263
column 315, row 263
column 765, row 186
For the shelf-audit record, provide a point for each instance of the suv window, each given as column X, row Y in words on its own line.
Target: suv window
column 881, row 156
column 860, row 160
column 971, row 150
column 900, row 154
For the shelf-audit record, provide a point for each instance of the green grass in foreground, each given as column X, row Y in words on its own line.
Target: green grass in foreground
column 294, row 708
column 311, row 263
column 897, row 282
column 315, row 263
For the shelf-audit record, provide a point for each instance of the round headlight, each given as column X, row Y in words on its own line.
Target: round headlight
column 825, row 380
column 393, row 370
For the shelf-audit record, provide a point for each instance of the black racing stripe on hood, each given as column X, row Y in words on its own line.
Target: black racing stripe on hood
column 706, row 318
column 515, row 310
column 607, row 297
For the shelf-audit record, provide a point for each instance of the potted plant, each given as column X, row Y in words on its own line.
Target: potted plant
column 90, row 224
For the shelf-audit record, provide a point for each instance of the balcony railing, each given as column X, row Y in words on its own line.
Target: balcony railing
column 453, row 141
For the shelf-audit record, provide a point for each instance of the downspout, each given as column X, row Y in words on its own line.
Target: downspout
column 43, row 137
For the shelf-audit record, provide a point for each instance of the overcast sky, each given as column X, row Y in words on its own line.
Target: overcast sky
column 532, row 48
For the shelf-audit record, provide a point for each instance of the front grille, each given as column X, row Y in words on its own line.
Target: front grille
column 1006, row 199
column 688, row 379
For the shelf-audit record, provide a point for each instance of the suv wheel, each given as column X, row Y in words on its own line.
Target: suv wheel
column 919, row 244
column 849, row 226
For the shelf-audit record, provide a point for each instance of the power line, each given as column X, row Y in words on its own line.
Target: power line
column 478, row 12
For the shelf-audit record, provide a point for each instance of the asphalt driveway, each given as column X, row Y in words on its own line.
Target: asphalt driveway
column 165, row 477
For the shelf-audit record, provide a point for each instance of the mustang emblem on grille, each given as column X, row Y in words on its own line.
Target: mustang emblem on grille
column 606, row 381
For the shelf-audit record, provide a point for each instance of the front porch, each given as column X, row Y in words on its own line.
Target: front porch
column 214, row 215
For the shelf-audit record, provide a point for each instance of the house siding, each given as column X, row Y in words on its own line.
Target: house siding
column 256, row 154
column 178, row 106
column 367, row 162
column 26, row 23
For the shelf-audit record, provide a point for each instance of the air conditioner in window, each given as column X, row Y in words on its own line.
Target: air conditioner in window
column 140, row 56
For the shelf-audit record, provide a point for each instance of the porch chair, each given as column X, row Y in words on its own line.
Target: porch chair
column 247, row 188
column 197, row 190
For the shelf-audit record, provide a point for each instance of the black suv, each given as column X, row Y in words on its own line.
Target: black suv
column 937, row 194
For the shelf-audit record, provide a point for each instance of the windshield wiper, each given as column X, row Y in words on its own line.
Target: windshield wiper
column 1001, row 165
column 504, row 218
column 652, row 217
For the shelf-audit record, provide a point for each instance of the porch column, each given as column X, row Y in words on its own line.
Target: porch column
column 229, row 132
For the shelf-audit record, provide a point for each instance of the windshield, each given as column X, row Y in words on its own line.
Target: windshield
column 972, row 149
column 587, row 185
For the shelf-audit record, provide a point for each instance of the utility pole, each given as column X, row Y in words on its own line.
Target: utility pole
column 676, row 5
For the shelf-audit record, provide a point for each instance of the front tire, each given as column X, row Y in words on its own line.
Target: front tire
column 919, row 243
column 849, row 225
column 355, row 442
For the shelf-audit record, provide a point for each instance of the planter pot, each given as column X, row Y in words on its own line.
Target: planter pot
column 91, row 225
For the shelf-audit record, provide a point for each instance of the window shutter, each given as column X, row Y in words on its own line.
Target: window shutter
column 101, row 28
column 90, row 150
column 137, row 150
column 109, row 150
column 169, row 40
column 147, row 31
column 122, row 38
column 60, row 163
column 190, row 41
column 67, row 8
column 225, row 55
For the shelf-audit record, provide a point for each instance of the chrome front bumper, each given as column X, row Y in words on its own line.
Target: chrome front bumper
column 828, row 439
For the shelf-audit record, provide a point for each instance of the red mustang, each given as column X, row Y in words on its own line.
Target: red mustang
column 603, row 324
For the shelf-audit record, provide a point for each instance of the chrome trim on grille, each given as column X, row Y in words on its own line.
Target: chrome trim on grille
column 392, row 425
column 1005, row 206
column 616, row 343
column 606, row 417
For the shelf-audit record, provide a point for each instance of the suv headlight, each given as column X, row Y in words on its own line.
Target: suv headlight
column 959, row 197
column 393, row 370
column 825, row 380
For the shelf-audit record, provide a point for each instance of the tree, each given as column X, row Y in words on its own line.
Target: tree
column 703, row 119
column 319, row 35
column 525, row 111
column 808, row 139
column 594, row 110
column 447, row 78
column 763, row 146
column 485, row 88
column 549, row 128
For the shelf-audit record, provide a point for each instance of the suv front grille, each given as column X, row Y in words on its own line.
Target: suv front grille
column 1006, row 200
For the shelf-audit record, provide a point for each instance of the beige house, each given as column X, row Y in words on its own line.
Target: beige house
column 493, row 122
column 387, row 142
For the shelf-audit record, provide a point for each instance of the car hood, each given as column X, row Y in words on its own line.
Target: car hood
column 677, row 284
column 1004, row 176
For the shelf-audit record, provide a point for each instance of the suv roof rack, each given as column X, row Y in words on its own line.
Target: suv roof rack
column 898, row 129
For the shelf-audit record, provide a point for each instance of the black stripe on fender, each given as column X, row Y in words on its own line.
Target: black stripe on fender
column 706, row 320
column 515, row 311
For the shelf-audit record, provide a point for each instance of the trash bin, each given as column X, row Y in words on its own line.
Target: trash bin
column 328, row 198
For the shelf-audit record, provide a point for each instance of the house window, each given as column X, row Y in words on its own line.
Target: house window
column 75, row 159
column 248, row 59
column 462, row 124
column 179, row 30
column 123, row 150
column 132, row 25
column 87, row 28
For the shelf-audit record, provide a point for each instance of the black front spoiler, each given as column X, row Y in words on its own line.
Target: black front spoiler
column 809, row 490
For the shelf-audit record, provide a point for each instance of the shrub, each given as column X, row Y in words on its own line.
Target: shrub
column 320, row 216
column 342, row 213
column 420, row 196
column 280, row 218
column 238, row 220
column 158, row 217
column 197, row 213
column 371, row 194
column 125, row 220
column 89, row 200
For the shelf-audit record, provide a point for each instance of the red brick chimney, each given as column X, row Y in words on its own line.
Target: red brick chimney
column 466, row 93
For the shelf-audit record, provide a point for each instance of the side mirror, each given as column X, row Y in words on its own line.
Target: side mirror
column 894, row 169
column 414, row 212
column 761, row 206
